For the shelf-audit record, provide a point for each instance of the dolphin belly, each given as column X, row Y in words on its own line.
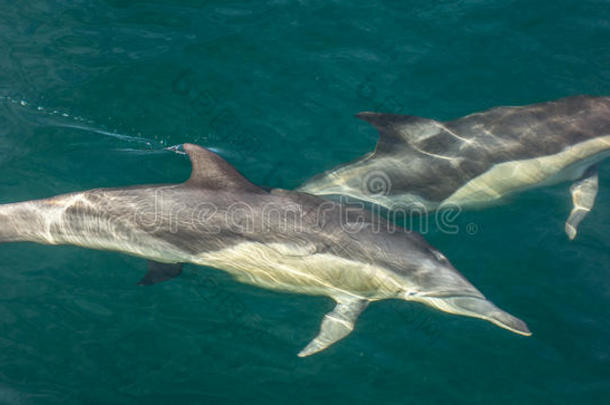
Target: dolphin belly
column 510, row 177
column 299, row 269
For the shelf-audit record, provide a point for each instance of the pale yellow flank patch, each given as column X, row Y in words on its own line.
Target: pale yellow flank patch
column 509, row 177
column 294, row 268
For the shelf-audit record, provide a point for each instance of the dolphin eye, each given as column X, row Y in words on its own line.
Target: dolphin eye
column 439, row 256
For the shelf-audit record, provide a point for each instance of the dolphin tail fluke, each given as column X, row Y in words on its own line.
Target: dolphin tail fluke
column 336, row 325
column 583, row 193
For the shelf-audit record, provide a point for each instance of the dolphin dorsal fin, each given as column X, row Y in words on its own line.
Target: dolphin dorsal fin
column 396, row 129
column 213, row 172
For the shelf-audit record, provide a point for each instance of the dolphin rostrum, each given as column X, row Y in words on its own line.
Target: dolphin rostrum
column 479, row 159
column 281, row 240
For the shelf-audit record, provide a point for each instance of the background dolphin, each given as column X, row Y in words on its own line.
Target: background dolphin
column 282, row 240
column 479, row 159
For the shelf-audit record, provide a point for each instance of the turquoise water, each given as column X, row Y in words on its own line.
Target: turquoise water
column 91, row 92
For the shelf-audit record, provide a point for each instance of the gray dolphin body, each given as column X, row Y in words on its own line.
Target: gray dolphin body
column 281, row 240
column 479, row 159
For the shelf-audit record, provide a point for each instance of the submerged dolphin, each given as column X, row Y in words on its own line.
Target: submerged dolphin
column 479, row 159
column 281, row 240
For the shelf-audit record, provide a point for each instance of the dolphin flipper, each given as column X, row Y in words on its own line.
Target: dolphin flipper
column 336, row 324
column 158, row 272
column 583, row 193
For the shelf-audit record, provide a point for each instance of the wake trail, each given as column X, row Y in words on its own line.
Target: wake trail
column 54, row 117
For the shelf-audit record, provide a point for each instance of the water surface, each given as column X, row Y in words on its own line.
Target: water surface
column 92, row 91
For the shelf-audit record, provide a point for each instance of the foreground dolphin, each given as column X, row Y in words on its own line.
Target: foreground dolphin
column 479, row 159
column 282, row 240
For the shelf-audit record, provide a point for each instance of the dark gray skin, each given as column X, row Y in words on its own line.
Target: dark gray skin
column 282, row 240
column 479, row 159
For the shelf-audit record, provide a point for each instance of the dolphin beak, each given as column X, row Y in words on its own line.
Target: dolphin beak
column 324, row 184
column 479, row 307
column 316, row 186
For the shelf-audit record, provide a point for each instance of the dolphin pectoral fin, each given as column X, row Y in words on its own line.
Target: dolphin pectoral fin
column 583, row 193
column 158, row 272
column 336, row 324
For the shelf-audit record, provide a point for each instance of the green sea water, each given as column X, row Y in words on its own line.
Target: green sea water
column 91, row 91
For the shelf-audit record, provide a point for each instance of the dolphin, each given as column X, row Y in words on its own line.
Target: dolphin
column 480, row 159
column 276, row 239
